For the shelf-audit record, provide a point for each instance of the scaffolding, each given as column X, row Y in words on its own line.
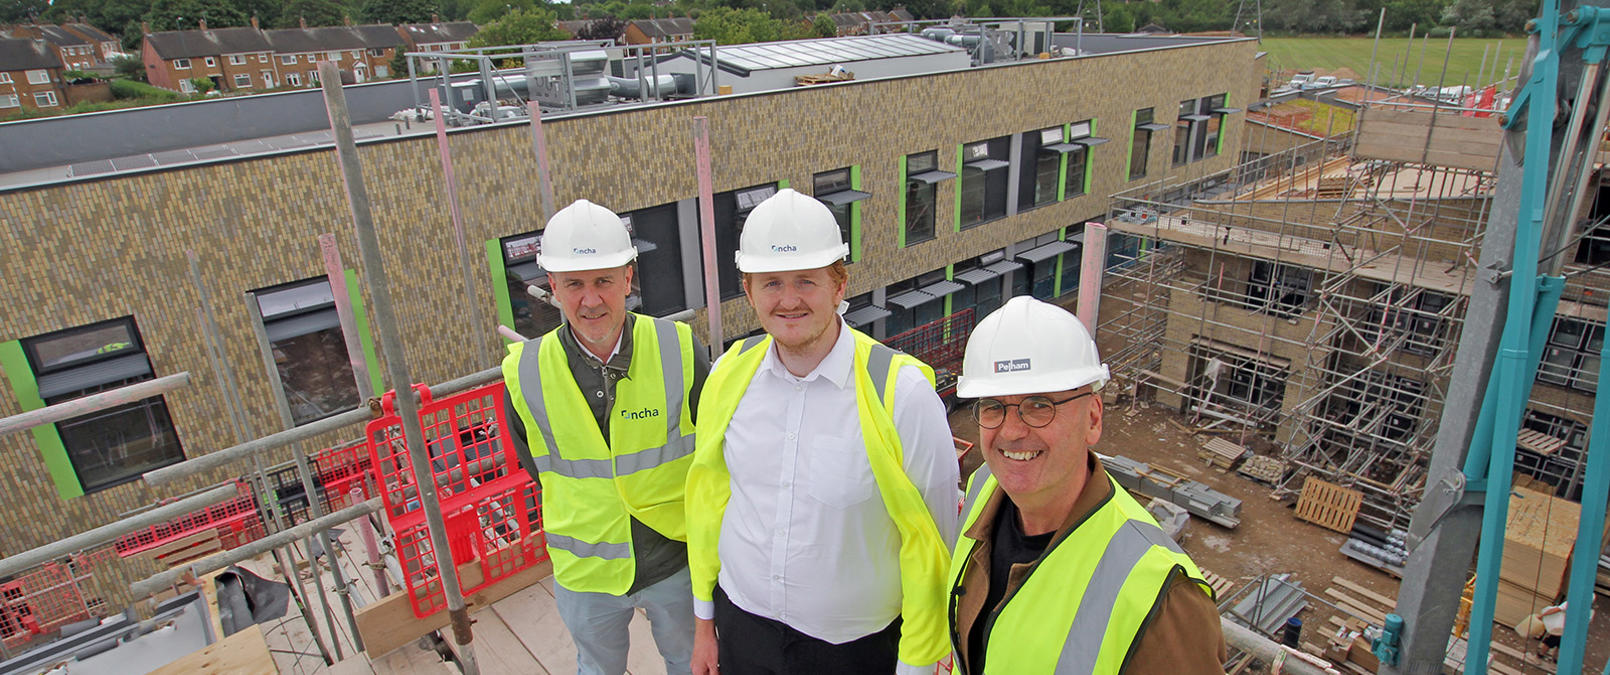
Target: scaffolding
column 1312, row 297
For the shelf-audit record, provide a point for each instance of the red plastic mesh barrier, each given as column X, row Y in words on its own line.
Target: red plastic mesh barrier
column 341, row 469
column 489, row 503
column 40, row 601
column 236, row 520
column 940, row 344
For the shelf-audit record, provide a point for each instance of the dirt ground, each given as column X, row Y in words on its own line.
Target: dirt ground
column 1270, row 538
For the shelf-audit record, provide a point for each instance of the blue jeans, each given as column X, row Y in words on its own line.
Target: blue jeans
column 597, row 623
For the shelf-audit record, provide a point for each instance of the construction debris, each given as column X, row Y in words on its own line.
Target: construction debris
column 1263, row 469
column 1170, row 517
column 1201, row 500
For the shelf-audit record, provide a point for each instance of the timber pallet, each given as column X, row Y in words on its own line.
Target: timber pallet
column 1329, row 505
column 1221, row 453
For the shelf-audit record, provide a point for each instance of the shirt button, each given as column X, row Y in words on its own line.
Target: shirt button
column 790, row 435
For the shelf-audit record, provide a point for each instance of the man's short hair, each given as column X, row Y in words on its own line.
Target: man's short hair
column 836, row 271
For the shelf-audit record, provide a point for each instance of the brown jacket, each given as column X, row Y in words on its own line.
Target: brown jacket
column 1182, row 638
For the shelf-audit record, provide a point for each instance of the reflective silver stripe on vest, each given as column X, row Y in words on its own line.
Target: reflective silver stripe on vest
column 1123, row 553
column 644, row 460
column 587, row 549
column 877, row 368
column 975, row 485
column 748, row 343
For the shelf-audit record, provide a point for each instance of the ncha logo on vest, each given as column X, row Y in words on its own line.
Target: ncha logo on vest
column 643, row 414
column 1011, row 365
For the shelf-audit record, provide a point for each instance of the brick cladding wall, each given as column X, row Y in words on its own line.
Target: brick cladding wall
column 92, row 250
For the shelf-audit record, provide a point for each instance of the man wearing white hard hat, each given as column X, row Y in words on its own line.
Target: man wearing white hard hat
column 1059, row 570
column 602, row 411
column 823, row 492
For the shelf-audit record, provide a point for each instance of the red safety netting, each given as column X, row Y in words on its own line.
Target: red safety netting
column 236, row 520
column 42, row 600
column 940, row 344
column 339, row 471
column 489, row 503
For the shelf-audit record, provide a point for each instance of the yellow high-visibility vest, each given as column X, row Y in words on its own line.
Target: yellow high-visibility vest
column 1081, row 609
column 923, row 555
column 590, row 488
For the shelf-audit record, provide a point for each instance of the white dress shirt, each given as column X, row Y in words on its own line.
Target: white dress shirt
column 806, row 539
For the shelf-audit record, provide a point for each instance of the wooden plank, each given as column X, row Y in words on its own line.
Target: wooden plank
column 1356, row 608
column 533, row 617
column 412, row 660
column 162, row 554
column 390, row 623
column 1527, row 660
column 1361, row 591
column 497, row 650
column 244, row 653
column 1329, row 505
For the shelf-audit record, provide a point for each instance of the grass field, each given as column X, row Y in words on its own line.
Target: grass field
column 1398, row 60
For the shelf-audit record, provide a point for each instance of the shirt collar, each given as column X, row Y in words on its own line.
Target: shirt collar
column 835, row 367
column 620, row 356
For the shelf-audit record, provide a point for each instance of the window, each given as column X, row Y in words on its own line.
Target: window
column 312, row 58
column 1141, row 142
column 1571, row 357
column 658, row 237
column 731, row 208
column 262, row 58
column 917, row 301
column 1040, row 172
column 45, row 99
column 1042, row 255
column 1417, row 313
column 862, row 315
column 309, row 351
column 376, row 52
column 1072, row 261
column 288, row 59
column 1077, row 181
column 983, row 181
column 837, row 189
column 211, row 62
column 1197, row 129
column 237, row 59
column 532, row 317
column 293, row 79
column 922, row 177
column 243, row 81
column 1281, row 290
column 5, row 78
column 116, row 445
column 1216, row 110
column 8, row 100
column 186, row 86
column 313, row 77
column 985, row 277
column 333, row 56
column 1554, row 454
column 181, row 64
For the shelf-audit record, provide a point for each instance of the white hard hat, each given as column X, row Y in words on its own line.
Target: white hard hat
column 1029, row 347
column 789, row 231
column 585, row 236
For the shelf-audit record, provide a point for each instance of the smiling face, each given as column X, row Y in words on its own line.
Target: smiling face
column 1043, row 469
column 799, row 309
column 594, row 304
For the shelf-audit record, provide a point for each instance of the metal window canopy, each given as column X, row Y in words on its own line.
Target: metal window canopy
column 1003, row 266
column 988, row 164
column 1153, row 126
column 866, row 315
column 1046, row 252
column 93, row 375
column 942, row 288
column 1196, row 118
column 977, row 275
column 909, row 299
column 1091, row 141
column 1225, row 110
column 1063, row 148
column 843, row 197
column 931, row 176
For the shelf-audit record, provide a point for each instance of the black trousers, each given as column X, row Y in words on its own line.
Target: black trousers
column 755, row 645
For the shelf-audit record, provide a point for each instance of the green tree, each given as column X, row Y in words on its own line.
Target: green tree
column 519, row 27
column 486, row 11
column 129, row 68
column 1471, row 17
column 315, row 12
column 396, row 11
column 19, row 11
column 202, row 85
column 187, row 15
column 729, row 26
column 824, row 26
column 602, row 29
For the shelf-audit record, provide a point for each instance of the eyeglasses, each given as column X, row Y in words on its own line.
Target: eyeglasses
column 1035, row 411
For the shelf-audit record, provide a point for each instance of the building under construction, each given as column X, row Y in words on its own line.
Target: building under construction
column 1296, row 293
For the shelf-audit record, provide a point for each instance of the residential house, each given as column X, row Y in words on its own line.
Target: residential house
column 860, row 23
column 233, row 58
column 74, row 51
column 364, row 52
column 30, row 75
column 654, row 31
column 105, row 45
column 422, row 37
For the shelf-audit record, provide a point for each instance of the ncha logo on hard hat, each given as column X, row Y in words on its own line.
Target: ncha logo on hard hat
column 1011, row 366
column 584, row 251
column 785, row 248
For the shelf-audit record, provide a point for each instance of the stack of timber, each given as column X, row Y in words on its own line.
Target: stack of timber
column 1202, row 501
column 1538, row 540
column 1221, row 453
column 825, row 78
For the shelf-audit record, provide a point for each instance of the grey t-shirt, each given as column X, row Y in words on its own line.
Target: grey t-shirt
column 657, row 556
